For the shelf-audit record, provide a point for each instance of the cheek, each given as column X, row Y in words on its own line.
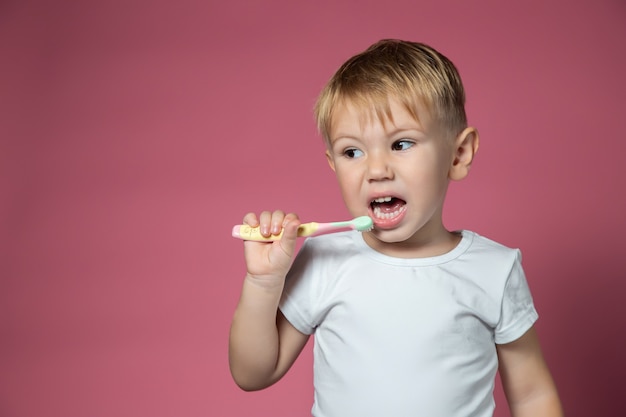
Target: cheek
column 348, row 184
column 435, row 167
column 344, row 174
column 345, row 184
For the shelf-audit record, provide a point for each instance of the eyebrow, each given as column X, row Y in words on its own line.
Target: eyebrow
column 397, row 130
column 391, row 133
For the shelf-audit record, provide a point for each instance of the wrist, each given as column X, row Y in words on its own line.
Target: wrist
column 270, row 284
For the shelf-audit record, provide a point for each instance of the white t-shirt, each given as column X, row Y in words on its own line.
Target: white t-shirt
column 406, row 337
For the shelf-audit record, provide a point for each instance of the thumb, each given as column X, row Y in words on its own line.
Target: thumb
column 290, row 234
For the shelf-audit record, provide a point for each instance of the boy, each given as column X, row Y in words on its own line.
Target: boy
column 410, row 319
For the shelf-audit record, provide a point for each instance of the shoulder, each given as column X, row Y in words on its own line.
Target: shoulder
column 334, row 244
column 486, row 249
column 320, row 253
column 490, row 264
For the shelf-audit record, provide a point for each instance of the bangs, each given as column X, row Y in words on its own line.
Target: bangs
column 376, row 106
column 372, row 103
column 424, row 81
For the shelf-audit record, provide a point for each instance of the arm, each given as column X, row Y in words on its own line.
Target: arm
column 526, row 380
column 263, row 344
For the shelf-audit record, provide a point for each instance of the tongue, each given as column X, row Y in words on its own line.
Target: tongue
column 391, row 206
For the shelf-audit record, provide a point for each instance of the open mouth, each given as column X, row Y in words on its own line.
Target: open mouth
column 386, row 208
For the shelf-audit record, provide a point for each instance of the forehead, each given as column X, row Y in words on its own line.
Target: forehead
column 389, row 112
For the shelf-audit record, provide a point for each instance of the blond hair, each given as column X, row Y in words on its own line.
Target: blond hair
column 411, row 72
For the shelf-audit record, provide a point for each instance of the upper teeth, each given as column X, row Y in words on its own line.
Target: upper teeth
column 382, row 200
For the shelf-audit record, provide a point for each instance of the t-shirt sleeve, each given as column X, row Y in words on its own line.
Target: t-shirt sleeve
column 518, row 312
column 296, row 302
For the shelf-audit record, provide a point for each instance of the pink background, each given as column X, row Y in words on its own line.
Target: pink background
column 134, row 134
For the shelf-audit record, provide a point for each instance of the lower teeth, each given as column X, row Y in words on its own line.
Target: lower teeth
column 380, row 215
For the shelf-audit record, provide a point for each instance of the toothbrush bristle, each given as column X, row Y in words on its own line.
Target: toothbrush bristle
column 363, row 223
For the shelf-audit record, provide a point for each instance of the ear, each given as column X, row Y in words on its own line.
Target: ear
column 465, row 148
column 330, row 160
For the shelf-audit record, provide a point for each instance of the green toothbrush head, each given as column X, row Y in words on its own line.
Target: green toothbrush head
column 363, row 223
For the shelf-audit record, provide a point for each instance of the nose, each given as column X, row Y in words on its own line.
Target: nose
column 378, row 167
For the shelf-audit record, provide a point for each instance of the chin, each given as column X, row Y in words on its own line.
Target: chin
column 390, row 236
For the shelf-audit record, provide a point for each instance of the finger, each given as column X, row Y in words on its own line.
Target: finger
column 265, row 223
column 251, row 219
column 276, row 224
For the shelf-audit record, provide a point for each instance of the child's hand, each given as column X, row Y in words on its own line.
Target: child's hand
column 268, row 262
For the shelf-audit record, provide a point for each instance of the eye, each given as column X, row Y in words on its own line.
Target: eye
column 352, row 153
column 402, row 145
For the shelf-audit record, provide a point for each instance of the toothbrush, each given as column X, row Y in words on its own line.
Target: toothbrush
column 362, row 224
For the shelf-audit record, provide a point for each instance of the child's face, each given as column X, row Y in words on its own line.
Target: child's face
column 395, row 172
